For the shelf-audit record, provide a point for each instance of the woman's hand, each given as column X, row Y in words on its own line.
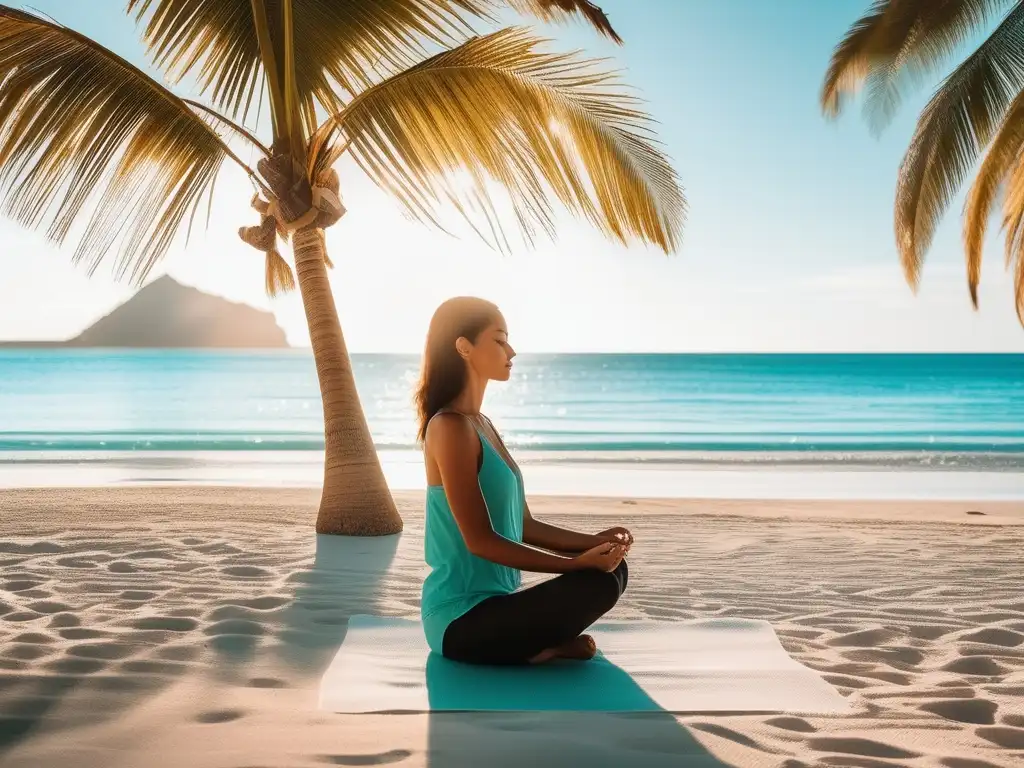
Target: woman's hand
column 617, row 535
column 604, row 557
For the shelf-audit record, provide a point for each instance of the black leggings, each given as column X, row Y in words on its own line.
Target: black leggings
column 513, row 628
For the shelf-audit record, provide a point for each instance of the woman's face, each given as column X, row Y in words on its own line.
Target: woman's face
column 491, row 354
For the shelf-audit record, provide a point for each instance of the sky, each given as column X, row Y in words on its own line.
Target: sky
column 788, row 244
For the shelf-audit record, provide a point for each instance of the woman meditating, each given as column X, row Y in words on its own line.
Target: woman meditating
column 479, row 533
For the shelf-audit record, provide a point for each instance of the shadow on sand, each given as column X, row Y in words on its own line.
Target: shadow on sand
column 347, row 577
column 569, row 713
column 563, row 713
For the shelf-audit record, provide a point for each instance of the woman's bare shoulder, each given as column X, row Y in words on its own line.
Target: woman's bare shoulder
column 452, row 447
column 448, row 429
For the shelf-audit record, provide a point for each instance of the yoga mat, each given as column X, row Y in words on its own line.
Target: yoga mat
column 707, row 665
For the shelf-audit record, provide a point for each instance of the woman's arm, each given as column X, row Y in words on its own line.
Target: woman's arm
column 453, row 444
column 547, row 536
column 554, row 538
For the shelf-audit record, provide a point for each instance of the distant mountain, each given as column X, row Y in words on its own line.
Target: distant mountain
column 166, row 313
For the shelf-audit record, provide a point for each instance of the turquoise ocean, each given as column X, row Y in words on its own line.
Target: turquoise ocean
column 178, row 415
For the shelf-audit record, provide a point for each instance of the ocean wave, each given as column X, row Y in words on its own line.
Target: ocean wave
column 837, row 445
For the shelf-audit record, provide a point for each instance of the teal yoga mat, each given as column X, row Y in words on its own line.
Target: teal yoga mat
column 709, row 665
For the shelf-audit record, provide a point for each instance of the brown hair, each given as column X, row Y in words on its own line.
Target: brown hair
column 443, row 374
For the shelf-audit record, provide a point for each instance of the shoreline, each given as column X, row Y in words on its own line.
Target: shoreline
column 44, row 509
column 606, row 475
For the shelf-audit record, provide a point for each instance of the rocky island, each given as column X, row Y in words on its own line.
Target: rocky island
column 167, row 314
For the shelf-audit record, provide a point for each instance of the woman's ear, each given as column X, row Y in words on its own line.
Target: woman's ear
column 462, row 346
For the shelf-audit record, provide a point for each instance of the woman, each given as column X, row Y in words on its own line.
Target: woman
column 479, row 533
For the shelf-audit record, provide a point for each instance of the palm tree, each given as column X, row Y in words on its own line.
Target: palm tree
column 430, row 110
column 980, row 105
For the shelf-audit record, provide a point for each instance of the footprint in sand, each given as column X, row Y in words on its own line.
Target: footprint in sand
column 36, row 594
column 853, row 761
column 220, row 716
column 75, row 562
column 989, row 618
column 929, row 631
column 728, row 733
column 381, row 758
column 75, row 666
column 20, row 585
column 231, row 611
column 235, row 627
column 865, row 638
column 978, row 711
column 178, row 652
column 137, row 594
column 64, row 620
column 27, row 651
column 843, row 681
column 37, row 548
column 120, row 566
column 166, row 623
column 219, row 548
column 23, row 616
column 804, row 634
column 34, row 637
column 791, row 724
column 105, row 651
column 1005, row 638
column 975, row 665
column 82, row 633
column 245, row 571
column 1007, row 738
column 899, row 657
column 151, row 554
column 265, row 603
column 966, row 762
column 855, row 746
column 266, row 682
column 148, row 667
column 49, row 606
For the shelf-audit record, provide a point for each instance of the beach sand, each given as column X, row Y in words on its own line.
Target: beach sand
column 186, row 626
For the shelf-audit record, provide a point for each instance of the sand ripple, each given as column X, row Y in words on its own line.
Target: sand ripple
column 920, row 625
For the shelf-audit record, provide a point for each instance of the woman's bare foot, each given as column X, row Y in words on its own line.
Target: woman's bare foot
column 546, row 655
column 581, row 648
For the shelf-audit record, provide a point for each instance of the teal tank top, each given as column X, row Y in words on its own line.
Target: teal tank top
column 458, row 580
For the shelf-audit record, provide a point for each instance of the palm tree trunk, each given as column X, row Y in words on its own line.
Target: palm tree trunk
column 355, row 500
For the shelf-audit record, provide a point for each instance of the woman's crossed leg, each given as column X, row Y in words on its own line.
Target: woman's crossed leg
column 537, row 623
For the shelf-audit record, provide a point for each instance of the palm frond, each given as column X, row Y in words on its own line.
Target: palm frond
column 924, row 35
column 895, row 44
column 852, row 60
column 1018, row 287
column 217, row 36
column 1002, row 158
column 561, row 10
column 341, row 44
column 496, row 109
column 955, row 126
column 86, row 137
column 1013, row 223
column 217, row 119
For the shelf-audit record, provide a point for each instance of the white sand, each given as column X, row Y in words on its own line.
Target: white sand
column 190, row 626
